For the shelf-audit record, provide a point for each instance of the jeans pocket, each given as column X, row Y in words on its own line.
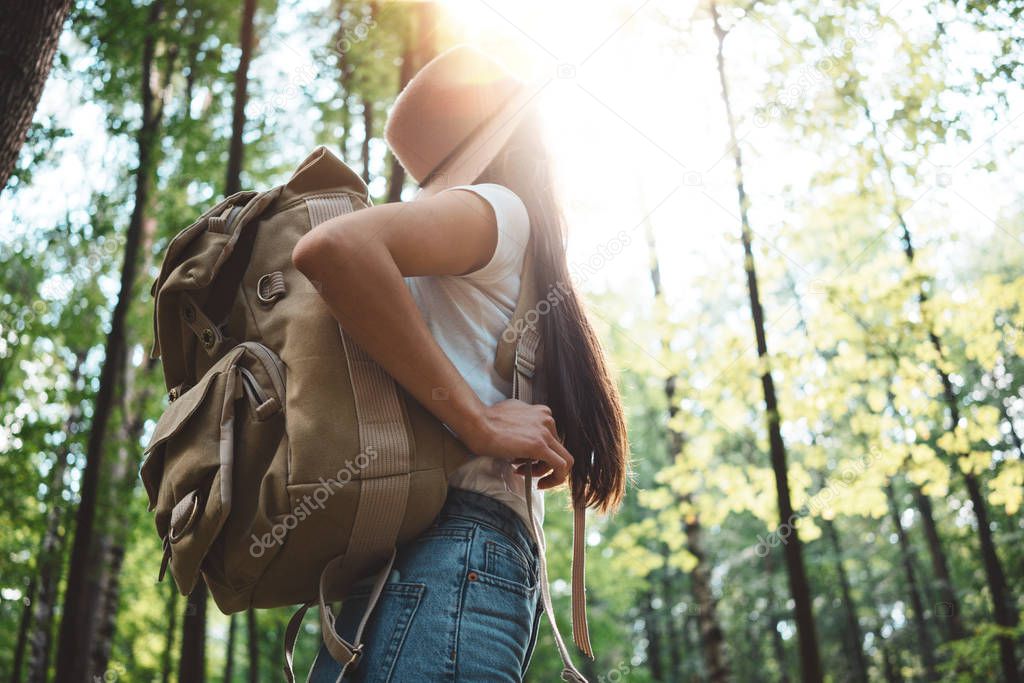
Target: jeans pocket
column 496, row 621
column 507, row 562
column 383, row 637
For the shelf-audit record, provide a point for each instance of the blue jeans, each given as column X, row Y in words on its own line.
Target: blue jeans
column 461, row 604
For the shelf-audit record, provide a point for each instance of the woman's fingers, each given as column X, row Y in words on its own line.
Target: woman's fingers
column 562, row 451
column 542, row 471
column 537, row 468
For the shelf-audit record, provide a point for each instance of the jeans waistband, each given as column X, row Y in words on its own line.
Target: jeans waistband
column 490, row 511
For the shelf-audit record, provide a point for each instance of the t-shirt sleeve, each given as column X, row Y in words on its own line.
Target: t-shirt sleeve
column 513, row 224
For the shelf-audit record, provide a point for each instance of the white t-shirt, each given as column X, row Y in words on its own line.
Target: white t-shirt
column 467, row 315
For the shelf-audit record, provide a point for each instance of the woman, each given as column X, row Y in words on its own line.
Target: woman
column 426, row 288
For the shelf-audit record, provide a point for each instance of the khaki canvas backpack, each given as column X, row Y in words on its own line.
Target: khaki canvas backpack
column 288, row 465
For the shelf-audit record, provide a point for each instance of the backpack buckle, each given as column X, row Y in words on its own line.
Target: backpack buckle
column 525, row 367
column 176, row 392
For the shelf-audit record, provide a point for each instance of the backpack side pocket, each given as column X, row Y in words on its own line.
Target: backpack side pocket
column 188, row 468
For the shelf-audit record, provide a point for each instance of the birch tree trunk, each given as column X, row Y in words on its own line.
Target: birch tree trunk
column 810, row 660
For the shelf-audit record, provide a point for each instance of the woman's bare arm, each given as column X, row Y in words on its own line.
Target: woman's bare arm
column 357, row 263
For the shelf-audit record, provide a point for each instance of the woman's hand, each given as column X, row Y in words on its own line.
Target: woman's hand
column 524, row 434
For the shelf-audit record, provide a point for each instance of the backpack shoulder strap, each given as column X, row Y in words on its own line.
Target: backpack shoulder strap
column 505, row 356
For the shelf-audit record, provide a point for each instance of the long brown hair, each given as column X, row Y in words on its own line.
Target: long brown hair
column 576, row 383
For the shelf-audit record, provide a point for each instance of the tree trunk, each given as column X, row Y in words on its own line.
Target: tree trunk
column 73, row 649
column 346, row 110
column 947, row 595
column 364, row 153
column 810, row 661
column 673, row 639
column 1014, row 435
column 755, row 672
column 653, row 633
column 1003, row 608
column 122, row 481
column 254, row 646
column 420, row 48
column 27, row 602
column 237, row 148
column 924, row 643
column 855, row 639
column 48, row 565
column 397, row 180
column 891, row 670
column 229, row 653
column 29, row 35
column 166, row 663
column 105, row 618
column 192, row 665
column 711, row 633
column 1003, row 604
column 778, row 645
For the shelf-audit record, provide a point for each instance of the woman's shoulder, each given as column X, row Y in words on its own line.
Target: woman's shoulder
column 513, row 226
column 507, row 205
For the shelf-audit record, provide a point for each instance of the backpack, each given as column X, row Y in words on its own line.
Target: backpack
column 287, row 465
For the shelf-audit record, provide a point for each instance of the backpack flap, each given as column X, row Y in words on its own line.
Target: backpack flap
column 180, row 243
column 186, row 320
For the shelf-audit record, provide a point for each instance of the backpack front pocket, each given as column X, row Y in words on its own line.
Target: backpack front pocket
column 191, row 473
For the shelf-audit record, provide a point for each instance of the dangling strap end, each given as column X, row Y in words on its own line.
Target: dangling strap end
column 580, row 629
column 166, row 559
column 291, row 634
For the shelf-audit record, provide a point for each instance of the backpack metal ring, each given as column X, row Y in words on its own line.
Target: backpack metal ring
column 185, row 511
column 270, row 287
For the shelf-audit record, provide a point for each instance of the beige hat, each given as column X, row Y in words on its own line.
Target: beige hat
column 454, row 116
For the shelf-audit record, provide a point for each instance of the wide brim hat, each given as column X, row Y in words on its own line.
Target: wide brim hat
column 455, row 115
